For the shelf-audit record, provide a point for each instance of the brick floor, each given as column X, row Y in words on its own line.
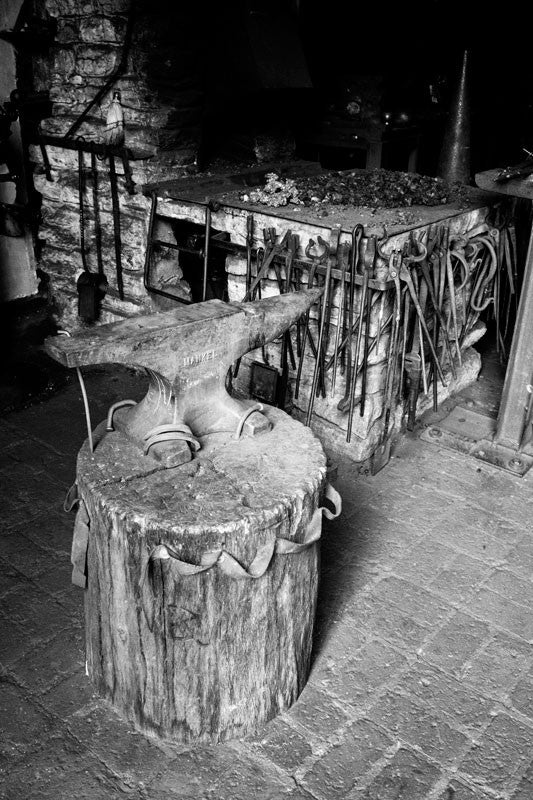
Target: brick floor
column 422, row 679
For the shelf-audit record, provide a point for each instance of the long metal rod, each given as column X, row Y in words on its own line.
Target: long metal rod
column 206, row 250
column 319, row 346
column 340, row 322
column 116, row 225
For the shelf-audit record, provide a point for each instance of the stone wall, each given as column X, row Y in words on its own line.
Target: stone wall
column 161, row 95
column 17, row 265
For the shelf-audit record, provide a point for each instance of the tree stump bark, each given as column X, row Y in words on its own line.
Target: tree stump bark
column 180, row 638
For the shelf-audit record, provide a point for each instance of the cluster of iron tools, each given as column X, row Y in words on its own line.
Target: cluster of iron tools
column 403, row 311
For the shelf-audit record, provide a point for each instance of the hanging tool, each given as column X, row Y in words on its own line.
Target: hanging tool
column 369, row 266
column 342, row 262
column 46, row 160
column 381, row 455
column 249, row 245
column 207, row 238
column 381, row 313
column 316, row 259
column 91, row 286
column 406, row 319
column 364, row 311
column 292, row 248
column 97, row 224
column 331, row 251
column 414, row 361
column 286, row 347
column 489, row 265
column 436, row 307
column 262, row 273
column 128, row 175
column 357, row 236
column 453, row 309
column 116, row 223
column 343, row 344
column 406, row 277
column 434, row 259
column 327, row 304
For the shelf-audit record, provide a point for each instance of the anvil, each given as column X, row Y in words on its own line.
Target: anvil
column 187, row 353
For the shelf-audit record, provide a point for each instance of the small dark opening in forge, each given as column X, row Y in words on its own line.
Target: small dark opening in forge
column 191, row 238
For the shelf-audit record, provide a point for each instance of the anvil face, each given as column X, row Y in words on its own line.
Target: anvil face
column 187, row 352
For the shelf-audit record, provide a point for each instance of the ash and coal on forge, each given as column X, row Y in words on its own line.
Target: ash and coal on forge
column 290, row 247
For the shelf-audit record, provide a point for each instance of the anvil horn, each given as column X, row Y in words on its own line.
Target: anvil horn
column 187, row 352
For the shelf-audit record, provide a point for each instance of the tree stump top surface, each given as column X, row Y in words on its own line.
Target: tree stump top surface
column 229, row 485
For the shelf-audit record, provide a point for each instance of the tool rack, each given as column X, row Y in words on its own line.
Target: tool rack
column 231, row 248
column 202, row 205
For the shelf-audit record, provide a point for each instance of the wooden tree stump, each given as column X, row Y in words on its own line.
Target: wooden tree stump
column 215, row 653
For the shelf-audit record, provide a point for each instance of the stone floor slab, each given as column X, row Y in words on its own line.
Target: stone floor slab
column 421, row 687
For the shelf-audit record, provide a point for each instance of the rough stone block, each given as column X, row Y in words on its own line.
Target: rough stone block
column 482, row 546
column 247, row 778
column 457, row 790
column 22, row 723
column 463, row 707
column 456, row 642
column 417, row 725
column 511, row 586
column 419, row 563
column 313, row 704
column 458, row 580
column 283, row 745
column 519, row 558
column 375, row 665
column 502, row 755
column 38, row 615
column 387, row 620
column 503, row 613
column 524, row 790
column 333, row 775
column 26, row 557
column 414, row 601
column 407, row 775
column 522, row 696
column 118, row 745
column 496, row 669
column 49, row 664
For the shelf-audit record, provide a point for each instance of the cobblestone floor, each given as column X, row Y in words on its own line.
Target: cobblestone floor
column 422, row 680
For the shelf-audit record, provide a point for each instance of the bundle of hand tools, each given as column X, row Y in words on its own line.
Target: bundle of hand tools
column 407, row 328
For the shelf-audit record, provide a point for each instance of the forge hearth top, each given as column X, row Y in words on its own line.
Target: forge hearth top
column 229, row 190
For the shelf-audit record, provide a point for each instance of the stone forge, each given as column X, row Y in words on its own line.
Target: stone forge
column 181, row 204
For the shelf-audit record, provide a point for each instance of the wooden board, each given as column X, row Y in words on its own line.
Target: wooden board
column 516, row 187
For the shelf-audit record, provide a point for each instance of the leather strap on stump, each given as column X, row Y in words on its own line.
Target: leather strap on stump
column 224, row 560
column 231, row 567
column 228, row 564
